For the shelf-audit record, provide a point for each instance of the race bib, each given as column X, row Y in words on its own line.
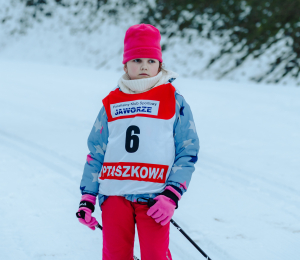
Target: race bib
column 148, row 107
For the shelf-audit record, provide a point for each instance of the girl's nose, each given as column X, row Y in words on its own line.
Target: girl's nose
column 144, row 66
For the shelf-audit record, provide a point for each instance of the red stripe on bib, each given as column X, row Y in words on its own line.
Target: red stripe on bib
column 134, row 171
column 158, row 102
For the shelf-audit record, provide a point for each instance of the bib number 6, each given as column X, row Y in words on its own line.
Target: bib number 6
column 132, row 140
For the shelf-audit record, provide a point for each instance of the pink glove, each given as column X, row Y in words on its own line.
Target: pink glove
column 86, row 205
column 163, row 210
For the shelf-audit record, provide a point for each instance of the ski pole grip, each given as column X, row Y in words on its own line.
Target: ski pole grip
column 151, row 202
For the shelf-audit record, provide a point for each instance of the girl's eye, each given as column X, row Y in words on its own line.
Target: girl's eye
column 136, row 60
column 152, row 61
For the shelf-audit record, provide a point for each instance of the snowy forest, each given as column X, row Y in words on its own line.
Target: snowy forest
column 229, row 39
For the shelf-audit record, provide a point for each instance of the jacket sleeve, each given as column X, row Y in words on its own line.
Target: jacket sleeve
column 186, row 146
column 97, row 142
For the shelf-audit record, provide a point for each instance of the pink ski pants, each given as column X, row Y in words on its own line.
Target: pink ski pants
column 118, row 219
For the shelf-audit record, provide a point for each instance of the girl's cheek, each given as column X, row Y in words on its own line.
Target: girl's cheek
column 135, row 69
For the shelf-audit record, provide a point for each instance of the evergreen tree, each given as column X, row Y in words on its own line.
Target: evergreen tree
column 251, row 27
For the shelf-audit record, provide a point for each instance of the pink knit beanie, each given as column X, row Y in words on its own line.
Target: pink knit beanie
column 142, row 41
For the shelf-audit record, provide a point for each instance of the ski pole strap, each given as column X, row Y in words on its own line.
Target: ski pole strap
column 87, row 204
column 80, row 214
column 149, row 201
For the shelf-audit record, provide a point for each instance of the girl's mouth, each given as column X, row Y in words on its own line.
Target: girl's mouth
column 143, row 74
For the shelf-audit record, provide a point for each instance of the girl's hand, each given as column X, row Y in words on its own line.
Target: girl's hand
column 163, row 210
column 166, row 203
column 86, row 208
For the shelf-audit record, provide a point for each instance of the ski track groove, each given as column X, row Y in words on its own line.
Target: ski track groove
column 208, row 246
column 46, row 157
column 263, row 180
column 29, row 147
column 43, row 149
column 253, row 182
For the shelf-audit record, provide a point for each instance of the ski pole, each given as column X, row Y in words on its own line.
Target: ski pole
column 189, row 239
column 151, row 202
column 81, row 214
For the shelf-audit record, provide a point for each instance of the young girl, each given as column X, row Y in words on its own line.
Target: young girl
column 143, row 145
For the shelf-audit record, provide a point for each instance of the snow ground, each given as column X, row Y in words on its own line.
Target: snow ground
column 243, row 202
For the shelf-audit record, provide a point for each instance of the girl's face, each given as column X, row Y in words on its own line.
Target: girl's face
column 142, row 68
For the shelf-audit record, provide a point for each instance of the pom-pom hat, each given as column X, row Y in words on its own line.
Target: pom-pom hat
column 142, row 41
